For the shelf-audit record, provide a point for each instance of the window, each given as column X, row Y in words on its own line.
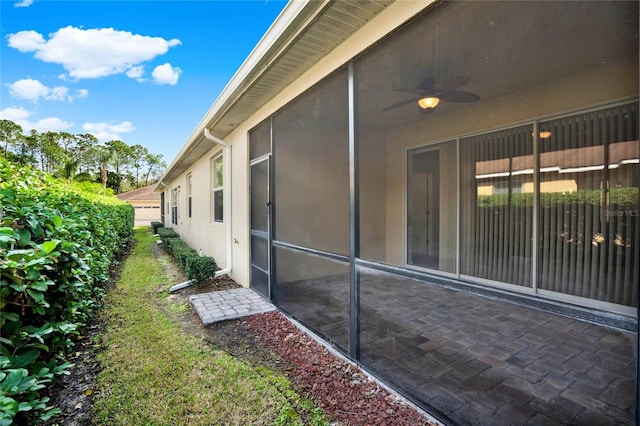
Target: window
column 189, row 187
column 162, row 211
column 174, row 205
column 217, row 183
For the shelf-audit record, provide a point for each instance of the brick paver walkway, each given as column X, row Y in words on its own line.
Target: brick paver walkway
column 229, row 304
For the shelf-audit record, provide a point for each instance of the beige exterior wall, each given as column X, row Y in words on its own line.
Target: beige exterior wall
column 200, row 231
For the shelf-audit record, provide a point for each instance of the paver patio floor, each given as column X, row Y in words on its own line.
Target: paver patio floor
column 473, row 359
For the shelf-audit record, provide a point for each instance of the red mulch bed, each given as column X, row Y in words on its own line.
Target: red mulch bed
column 337, row 386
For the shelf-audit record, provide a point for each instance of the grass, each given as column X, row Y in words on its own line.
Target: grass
column 157, row 374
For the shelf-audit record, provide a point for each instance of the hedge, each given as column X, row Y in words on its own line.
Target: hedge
column 166, row 234
column 198, row 268
column 155, row 226
column 58, row 243
column 618, row 196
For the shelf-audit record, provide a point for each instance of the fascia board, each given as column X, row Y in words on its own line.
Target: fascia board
column 295, row 17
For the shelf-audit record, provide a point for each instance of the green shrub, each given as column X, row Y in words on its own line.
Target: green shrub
column 200, row 268
column 57, row 244
column 181, row 251
column 196, row 267
column 155, row 226
column 166, row 234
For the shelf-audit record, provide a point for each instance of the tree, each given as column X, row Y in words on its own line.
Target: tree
column 52, row 155
column 114, row 181
column 70, row 168
column 103, row 156
column 83, row 150
column 121, row 154
column 67, row 140
column 120, row 158
column 154, row 163
column 10, row 132
column 29, row 145
column 65, row 154
column 138, row 153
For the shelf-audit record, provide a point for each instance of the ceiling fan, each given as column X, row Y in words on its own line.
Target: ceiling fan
column 430, row 92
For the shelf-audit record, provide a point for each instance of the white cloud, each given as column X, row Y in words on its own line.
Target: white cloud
column 27, row 89
column 124, row 127
column 26, row 41
column 53, row 124
column 60, row 93
column 82, row 94
column 23, row 3
column 14, row 114
column 32, row 90
column 92, row 53
column 135, row 72
column 106, row 132
column 21, row 116
column 166, row 74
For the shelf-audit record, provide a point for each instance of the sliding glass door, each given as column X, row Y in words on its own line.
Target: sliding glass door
column 589, row 205
column 497, row 206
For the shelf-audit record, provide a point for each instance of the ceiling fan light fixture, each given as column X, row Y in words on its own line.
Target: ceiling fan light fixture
column 428, row 102
column 544, row 134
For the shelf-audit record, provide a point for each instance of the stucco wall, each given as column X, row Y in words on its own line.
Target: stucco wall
column 199, row 231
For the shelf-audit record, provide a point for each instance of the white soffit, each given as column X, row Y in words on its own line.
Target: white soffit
column 336, row 22
column 303, row 34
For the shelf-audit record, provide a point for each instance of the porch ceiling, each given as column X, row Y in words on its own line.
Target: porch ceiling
column 301, row 36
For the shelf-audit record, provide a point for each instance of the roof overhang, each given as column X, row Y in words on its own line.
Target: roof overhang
column 303, row 34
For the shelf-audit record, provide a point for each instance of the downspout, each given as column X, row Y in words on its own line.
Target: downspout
column 227, row 203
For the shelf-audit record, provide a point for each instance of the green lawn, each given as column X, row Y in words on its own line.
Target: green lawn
column 157, row 374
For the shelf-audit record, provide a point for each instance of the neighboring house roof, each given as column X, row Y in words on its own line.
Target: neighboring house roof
column 303, row 34
column 141, row 194
column 570, row 160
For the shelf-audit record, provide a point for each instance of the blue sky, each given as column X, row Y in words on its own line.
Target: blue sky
column 144, row 72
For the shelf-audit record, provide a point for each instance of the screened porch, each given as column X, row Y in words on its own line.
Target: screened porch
column 457, row 210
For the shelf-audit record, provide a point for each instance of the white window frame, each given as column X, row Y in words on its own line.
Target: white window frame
column 174, row 205
column 189, row 193
column 217, row 189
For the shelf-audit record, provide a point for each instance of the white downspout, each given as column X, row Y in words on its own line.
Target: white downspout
column 227, row 205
